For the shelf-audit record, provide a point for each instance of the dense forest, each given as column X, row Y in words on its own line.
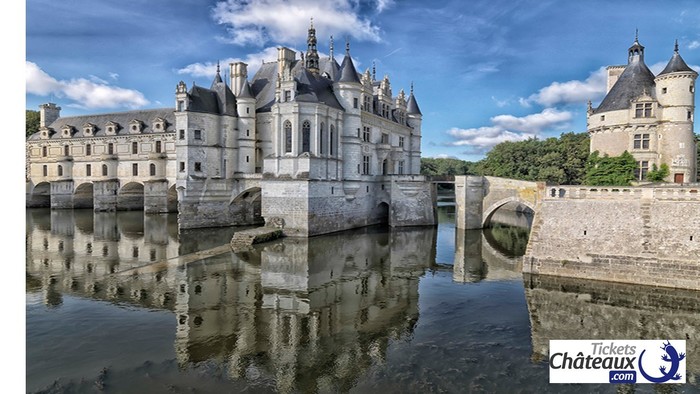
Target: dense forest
column 563, row 160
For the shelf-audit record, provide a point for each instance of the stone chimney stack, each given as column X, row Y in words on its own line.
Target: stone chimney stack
column 48, row 113
column 239, row 74
column 285, row 60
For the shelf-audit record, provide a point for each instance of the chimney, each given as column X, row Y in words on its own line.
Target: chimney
column 48, row 113
column 239, row 74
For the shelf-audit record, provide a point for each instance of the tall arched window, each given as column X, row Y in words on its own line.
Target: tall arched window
column 322, row 139
column 287, row 136
column 331, row 141
column 306, row 136
column 60, row 170
column 104, row 170
column 153, row 169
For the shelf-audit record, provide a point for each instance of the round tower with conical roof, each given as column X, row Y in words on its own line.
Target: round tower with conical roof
column 348, row 90
column 675, row 90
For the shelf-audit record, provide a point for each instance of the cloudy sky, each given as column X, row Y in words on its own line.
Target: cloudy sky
column 484, row 71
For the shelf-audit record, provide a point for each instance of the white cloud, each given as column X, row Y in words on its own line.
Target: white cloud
column 533, row 123
column 384, row 4
column 287, row 21
column 694, row 44
column 509, row 128
column 114, row 76
column 253, row 60
column 87, row 93
column 572, row 92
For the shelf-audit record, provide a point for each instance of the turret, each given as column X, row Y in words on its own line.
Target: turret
column 247, row 135
column 348, row 91
column 675, row 90
column 415, row 118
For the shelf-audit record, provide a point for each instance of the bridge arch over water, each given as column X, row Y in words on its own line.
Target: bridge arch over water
column 478, row 197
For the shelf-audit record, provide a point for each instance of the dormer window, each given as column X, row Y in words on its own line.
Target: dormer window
column 88, row 130
column 111, row 128
column 45, row 132
column 159, row 125
column 67, row 131
column 135, row 126
column 642, row 110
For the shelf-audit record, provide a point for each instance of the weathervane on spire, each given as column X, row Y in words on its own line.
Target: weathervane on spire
column 331, row 47
column 675, row 48
column 411, row 88
column 347, row 45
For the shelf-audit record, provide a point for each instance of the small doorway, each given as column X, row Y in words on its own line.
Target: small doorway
column 678, row 178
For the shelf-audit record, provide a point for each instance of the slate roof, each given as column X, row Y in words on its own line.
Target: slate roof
column 348, row 73
column 147, row 117
column 412, row 105
column 634, row 82
column 310, row 87
column 676, row 64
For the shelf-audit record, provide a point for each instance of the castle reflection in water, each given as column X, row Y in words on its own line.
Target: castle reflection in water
column 315, row 314
column 311, row 304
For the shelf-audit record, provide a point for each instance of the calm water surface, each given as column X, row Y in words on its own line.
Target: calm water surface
column 120, row 302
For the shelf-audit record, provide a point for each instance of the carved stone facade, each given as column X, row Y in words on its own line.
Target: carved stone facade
column 649, row 116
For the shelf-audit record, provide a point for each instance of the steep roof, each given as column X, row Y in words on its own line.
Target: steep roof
column 147, row 116
column 310, row 87
column 634, row 82
column 412, row 106
column 348, row 73
column 245, row 91
column 676, row 64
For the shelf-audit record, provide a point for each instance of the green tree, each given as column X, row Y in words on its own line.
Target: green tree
column 610, row 170
column 446, row 166
column 553, row 160
column 32, row 122
column 658, row 174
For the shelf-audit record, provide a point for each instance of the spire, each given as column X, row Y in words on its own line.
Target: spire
column 217, row 78
column 676, row 64
column 311, row 52
column 332, row 49
column 374, row 71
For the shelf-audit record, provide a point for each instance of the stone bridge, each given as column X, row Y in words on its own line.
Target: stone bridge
column 478, row 197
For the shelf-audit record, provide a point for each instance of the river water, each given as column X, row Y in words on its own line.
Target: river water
column 120, row 302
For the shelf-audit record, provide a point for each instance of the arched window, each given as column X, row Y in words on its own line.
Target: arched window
column 322, row 139
column 331, row 141
column 66, row 150
column 306, row 136
column 287, row 136
column 153, row 169
column 60, row 170
column 104, row 170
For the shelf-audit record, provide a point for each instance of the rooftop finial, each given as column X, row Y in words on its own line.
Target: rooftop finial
column 411, row 88
column 374, row 71
column 312, row 22
column 636, row 35
column 218, row 67
column 347, row 46
column 331, row 47
column 675, row 48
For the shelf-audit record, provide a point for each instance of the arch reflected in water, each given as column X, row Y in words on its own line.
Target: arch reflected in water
column 493, row 253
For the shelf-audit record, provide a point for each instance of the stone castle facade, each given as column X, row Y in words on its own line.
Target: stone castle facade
column 649, row 116
column 307, row 144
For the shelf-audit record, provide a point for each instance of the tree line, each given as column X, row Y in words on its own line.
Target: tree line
column 563, row 160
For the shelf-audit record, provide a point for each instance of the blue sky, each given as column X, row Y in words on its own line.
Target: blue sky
column 484, row 71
